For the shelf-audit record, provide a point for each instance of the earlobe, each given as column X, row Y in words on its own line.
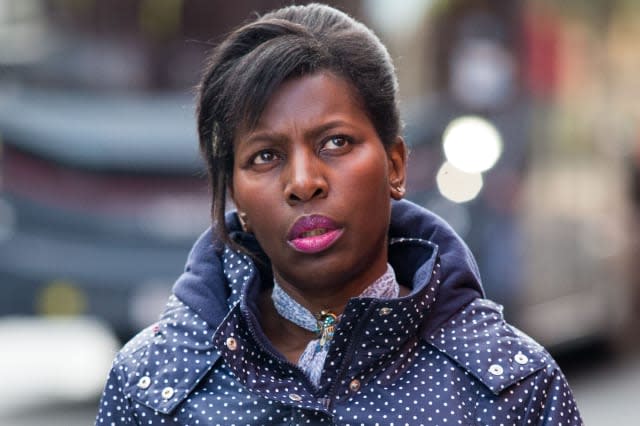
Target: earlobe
column 242, row 216
column 397, row 191
column 397, row 168
column 244, row 221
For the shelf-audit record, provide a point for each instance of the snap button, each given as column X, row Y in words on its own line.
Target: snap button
column 295, row 397
column 354, row 386
column 385, row 311
column 521, row 358
column 496, row 370
column 232, row 344
column 144, row 382
column 167, row 393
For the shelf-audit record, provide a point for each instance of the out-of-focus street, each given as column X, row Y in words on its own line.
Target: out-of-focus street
column 76, row 414
column 607, row 389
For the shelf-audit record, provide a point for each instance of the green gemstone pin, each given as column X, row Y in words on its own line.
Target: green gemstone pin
column 326, row 326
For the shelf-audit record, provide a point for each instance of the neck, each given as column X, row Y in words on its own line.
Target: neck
column 291, row 325
column 316, row 303
column 333, row 298
column 288, row 338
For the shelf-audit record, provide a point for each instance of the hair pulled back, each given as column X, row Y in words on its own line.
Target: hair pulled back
column 253, row 61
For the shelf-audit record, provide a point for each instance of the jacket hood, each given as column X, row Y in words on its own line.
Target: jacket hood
column 202, row 288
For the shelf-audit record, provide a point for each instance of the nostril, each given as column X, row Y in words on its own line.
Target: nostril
column 293, row 197
column 298, row 196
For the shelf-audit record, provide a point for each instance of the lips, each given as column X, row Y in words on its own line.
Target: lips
column 313, row 234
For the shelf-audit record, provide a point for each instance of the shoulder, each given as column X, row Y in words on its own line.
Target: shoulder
column 497, row 354
column 523, row 381
column 160, row 366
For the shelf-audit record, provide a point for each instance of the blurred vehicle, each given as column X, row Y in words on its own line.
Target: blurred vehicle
column 102, row 191
column 102, row 197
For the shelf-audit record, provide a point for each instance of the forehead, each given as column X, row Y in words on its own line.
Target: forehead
column 322, row 86
column 308, row 98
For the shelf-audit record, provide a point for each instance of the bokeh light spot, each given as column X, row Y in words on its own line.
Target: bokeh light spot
column 472, row 144
column 456, row 185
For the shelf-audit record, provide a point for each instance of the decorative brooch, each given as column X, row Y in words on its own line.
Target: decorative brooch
column 326, row 327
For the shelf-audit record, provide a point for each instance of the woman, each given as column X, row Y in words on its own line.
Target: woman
column 323, row 299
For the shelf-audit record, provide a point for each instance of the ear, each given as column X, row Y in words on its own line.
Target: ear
column 244, row 221
column 242, row 216
column 397, row 157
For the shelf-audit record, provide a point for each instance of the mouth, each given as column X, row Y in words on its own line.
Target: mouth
column 313, row 234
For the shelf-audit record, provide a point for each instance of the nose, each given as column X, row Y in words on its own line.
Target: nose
column 304, row 178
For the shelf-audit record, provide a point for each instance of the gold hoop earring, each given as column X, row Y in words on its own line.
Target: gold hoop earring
column 244, row 222
column 399, row 190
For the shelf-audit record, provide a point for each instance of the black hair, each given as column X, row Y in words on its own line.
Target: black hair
column 253, row 61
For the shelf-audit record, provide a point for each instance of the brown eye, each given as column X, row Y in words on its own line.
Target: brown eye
column 336, row 142
column 264, row 157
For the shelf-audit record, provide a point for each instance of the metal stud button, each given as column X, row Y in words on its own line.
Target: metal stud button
column 354, row 386
column 144, row 382
column 496, row 370
column 167, row 393
column 385, row 311
column 232, row 344
column 521, row 358
column 295, row 397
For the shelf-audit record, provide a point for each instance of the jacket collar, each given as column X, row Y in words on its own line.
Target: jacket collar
column 371, row 330
column 200, row 289
column 425, row 253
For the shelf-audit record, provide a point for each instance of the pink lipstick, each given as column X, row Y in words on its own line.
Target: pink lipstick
column 313, row 234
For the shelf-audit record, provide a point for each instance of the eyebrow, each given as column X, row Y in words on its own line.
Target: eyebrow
column 309, row 134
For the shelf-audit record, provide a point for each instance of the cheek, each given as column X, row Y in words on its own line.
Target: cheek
column 260, row 199
column 250, row 195
column 244, row 186
column 369, row 179
column 364, row 192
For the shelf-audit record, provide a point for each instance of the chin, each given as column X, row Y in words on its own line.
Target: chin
column 330, row 272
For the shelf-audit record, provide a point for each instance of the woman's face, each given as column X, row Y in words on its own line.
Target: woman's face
column 315, row 183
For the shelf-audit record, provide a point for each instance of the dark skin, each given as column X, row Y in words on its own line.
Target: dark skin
column 314, row 151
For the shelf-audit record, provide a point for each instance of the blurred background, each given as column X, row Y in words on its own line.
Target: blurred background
column 523, row 118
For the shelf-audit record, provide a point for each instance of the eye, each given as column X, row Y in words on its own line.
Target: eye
column 264, row 157
column 336, row 142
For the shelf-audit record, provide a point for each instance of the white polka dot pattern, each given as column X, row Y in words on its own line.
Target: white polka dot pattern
column 382, row 368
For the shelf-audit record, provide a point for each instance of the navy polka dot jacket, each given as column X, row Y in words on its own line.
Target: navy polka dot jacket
column 442, row 355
